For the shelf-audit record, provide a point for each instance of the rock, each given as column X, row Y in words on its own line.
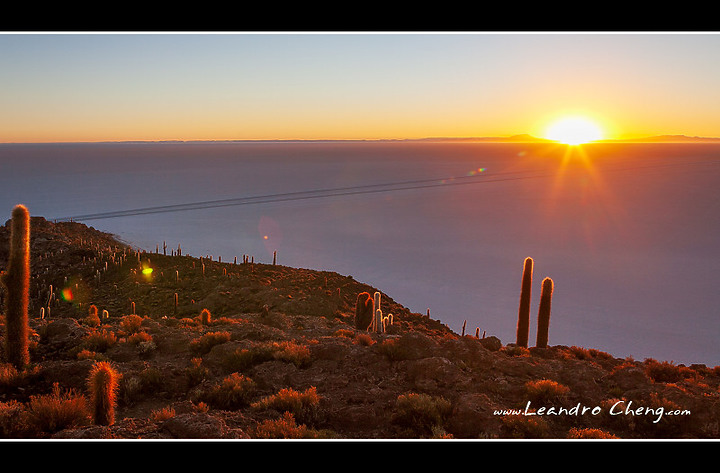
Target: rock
column 430, row 374
column 195, row 426
column 92, row 432
column 472, row 417
column 332, row 348
column 413, row 345
column 63, row 331
column 470, row 350
column 629, row 377
column 491, row 343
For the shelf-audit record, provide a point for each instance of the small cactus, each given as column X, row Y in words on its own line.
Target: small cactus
column 205, row 317
column 17, row 284
column 544, row 313
column 377, row 321
column 523, row 325
column 103, row 385
column 387, row 321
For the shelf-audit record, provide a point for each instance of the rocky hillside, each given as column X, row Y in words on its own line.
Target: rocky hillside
column 237, row 350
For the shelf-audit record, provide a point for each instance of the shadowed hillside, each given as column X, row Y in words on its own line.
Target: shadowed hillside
column 237, row 350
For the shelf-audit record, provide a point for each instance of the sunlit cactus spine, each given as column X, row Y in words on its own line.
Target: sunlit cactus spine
column 17, row 287
column 377, row 321
column 364, row 311
column 387, row 322
column 523, row 325
column 544, row 313
column 103, row 383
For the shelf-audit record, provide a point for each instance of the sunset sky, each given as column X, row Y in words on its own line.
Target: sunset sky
column 205, row 86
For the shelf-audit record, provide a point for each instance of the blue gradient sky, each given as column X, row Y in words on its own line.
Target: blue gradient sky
column 99, row 87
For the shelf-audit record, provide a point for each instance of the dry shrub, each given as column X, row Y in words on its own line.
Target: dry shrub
column 87, row 355
column 525, row 427
column 343, row 332
column 204, row 343
column 364, row 339
column 9, row 375
column 581, row 353
column 290, row 352
column 303, row 405
column 188, row 322
column 545, row 391
column 392, row 349
column 196, row 372
column 93, row 319
column 235, row 391
column 589, row 433
column 99, row 340
column 49, row 413
column 515, row 351
column 139, row 338
column 200, row 407
column 131, row 323
column 283, row 428
column 422, row 413
column 287, row 351
column 242, row 358
column 12, row 420
column 151, row 380
column 619, row 423
column 667, row 372
column 160, row 415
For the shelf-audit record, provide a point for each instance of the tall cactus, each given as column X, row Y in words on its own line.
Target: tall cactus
column 523, row 325
column 364, row 311
column 544, row 313
column 17, row 284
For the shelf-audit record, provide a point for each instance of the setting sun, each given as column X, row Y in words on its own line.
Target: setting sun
column 574, row 131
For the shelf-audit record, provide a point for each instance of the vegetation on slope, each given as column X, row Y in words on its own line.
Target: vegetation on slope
column 128, row 344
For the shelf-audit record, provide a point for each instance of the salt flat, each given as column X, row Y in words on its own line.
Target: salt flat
column 628, row 232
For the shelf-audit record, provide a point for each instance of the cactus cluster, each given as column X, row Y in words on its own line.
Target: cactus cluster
column 369, row 316
column 523, row 324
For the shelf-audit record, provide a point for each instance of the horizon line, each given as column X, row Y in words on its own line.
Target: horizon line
column 517, row 138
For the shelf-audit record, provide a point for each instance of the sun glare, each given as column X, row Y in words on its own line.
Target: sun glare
column 574, row 131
